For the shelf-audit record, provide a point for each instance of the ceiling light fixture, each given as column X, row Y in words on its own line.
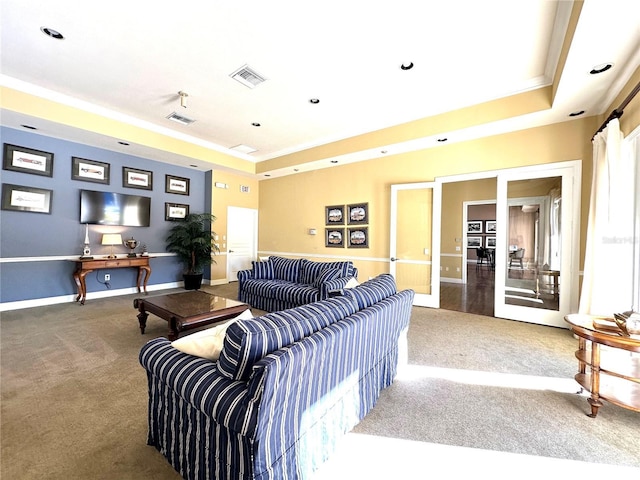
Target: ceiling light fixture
column 576, row 114
column 315, row 101
column 334, row 161
column 183, row 98
column 443, row 139
column 52, row 33
column 124, row 143
column 255, row 124
column 406, row 66
column 601, row 68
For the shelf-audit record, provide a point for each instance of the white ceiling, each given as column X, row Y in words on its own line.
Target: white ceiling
column 128, row 60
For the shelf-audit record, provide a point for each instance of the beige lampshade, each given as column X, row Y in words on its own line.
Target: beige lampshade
column 111, row 239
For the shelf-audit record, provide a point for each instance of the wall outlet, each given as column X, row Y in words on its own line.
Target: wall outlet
column 107, row 277
column 457, row 248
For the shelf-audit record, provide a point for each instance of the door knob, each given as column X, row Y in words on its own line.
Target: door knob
column 230, row 251
column 393, row 259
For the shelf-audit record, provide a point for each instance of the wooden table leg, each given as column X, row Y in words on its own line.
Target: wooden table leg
column 142, row 315
column 173, row 329
column 594, row 400
column 79, row 277
column 147, row 272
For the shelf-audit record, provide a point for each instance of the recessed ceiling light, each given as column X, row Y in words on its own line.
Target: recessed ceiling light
column 124, row 143
column 315, row 101
column 576, row 114
column 52, row 33
column 255, row 124
column 334, row 161
column 601, row 68
column 194, row 166
column 296, row 169
column 406, row 66
column 383, row 151
column 30, row 127
column 267, row 175
column 443, row 139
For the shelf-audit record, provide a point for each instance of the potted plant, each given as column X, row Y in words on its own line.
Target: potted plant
column 191, row 239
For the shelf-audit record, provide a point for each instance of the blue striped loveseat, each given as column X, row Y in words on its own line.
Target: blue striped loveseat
column 280, row 283
column 285, row 388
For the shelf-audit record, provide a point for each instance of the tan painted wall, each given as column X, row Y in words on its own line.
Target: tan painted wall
column 290, row 205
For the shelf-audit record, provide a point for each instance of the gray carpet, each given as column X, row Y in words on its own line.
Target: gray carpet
column 74, row 395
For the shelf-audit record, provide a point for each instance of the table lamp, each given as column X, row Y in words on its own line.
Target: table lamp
column 111, row 239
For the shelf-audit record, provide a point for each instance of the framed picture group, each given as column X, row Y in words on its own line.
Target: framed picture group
column 356, row 234
column 481, row 233
column 24, row 198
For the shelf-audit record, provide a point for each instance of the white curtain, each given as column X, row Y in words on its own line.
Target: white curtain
column 608, row 267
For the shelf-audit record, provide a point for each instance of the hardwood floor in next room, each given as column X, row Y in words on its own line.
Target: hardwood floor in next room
column 477, row 296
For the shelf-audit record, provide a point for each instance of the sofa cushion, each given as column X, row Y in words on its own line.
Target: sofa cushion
column 312, row 270
column 263, row 288
column 295, row 293
column 207, row 343
column 325, row 312
column 287, row 268
column 247, row 341
column 372, row 291
column 262, row 270
column 328, row 275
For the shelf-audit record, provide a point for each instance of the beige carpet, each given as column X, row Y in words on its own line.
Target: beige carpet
column 74, row 395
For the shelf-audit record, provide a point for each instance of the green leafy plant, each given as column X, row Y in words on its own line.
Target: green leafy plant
column 192, row 240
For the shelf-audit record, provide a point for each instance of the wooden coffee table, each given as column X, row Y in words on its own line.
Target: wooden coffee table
column 188, row 310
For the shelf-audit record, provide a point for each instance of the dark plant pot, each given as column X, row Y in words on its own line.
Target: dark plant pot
column 192, row 281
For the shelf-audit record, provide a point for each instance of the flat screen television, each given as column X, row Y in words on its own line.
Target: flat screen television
column 108, row 208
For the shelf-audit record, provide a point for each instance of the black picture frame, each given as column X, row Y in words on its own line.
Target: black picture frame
column 334, row 237
column 87, row 170
column 358, row 214
column 334, row 215
column 358, row 237
column 474, row 227
column 27, row 160
column 177, row 185
column 20, row 198
column 136, row 178
column 175, row 211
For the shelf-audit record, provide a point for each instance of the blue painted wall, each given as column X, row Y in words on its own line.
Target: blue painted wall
column 27, row 235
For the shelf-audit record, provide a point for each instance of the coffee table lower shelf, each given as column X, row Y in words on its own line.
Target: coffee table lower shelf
column 187, row 311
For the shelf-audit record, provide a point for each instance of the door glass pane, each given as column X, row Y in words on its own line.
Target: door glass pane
column 413, row 237
column 534, row 233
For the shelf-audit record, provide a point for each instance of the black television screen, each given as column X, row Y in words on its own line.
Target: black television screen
column 108, row 208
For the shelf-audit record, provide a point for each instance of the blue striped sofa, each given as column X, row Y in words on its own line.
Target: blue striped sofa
column 286, row 387
column 280, row 283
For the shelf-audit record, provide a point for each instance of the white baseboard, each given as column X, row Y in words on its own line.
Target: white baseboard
column 41, row 302
column 450, row 280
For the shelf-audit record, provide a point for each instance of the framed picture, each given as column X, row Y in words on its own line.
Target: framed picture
column 26, row 199
column 358, row 214
column 474, row 242
column 490, row 226
column 27, row 160
column 491, row 242
column 334, row 215
column 474, row 226
column 358, row 237
column 175, row 211
column 89, row 170
column 134, row 178
column 179, row 185
column 334, row 237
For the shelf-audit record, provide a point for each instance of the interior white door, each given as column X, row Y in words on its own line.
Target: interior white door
column 414, row 246
column 242, row 240
column 537, row 244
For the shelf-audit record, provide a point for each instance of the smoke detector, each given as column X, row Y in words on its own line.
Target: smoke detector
column 248, row 76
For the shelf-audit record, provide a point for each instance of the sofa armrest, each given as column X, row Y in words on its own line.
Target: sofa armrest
column 199, row 382
column 335, row 286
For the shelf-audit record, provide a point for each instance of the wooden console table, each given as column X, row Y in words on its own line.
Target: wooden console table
column 608, row 363
column 86, row 266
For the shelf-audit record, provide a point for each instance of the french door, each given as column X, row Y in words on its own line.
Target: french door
column 414, row 246
column 537, row 243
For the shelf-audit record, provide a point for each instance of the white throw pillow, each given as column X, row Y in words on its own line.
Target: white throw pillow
column 352, row 283
column 208, row 343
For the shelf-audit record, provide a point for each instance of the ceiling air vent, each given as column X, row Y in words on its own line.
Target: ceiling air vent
column 247, row 76
column 180, row 118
